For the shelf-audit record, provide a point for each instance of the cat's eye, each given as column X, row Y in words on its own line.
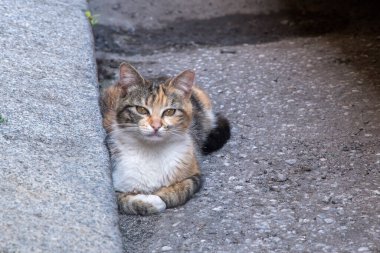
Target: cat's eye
column 169, row 112
column 142, row 110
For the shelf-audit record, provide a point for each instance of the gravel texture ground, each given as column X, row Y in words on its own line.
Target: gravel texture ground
column 302, row 90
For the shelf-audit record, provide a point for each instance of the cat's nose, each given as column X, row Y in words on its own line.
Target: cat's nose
column 156, row 125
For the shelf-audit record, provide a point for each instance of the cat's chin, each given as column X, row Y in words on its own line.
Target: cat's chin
column 154, row 138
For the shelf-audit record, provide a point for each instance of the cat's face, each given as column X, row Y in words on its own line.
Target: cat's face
column 154, row 111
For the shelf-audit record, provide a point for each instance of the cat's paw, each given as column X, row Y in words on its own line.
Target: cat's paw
column 156, row 202
column 144, row 205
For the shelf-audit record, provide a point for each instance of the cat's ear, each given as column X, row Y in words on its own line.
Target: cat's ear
column 184, row 82
column 129, row 76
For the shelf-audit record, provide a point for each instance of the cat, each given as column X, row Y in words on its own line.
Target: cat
column 155, row 132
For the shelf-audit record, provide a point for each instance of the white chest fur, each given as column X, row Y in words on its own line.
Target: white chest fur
column 147, row 167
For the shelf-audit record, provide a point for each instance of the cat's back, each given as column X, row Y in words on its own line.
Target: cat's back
column 209, row 130
column 109, row 100
column 203, row 115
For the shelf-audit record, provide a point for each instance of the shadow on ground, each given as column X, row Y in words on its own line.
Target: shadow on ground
column 221, row 31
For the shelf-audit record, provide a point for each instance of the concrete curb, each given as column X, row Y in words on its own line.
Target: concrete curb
column 55, row 186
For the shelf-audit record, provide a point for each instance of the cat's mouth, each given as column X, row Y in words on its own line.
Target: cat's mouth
column 155, row 136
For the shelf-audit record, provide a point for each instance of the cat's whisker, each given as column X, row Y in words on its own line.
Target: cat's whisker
column 178, row 133
column 125, row 125
column 122, row 130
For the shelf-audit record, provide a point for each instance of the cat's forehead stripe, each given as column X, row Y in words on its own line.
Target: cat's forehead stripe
column 157, row 96
column 161, row 97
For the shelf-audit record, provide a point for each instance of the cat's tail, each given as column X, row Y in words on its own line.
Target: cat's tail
column 218, row 135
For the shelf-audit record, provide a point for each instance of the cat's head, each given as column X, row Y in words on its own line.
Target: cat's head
column 151, row 111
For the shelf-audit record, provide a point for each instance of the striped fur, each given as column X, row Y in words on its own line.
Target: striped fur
column 155, row 132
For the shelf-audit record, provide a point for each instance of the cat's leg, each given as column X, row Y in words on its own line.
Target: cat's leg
column 218, row 135
column 140, row 204
column 179, row 193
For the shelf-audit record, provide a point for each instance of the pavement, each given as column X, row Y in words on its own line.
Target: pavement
column 301, row 172
column 55, row 184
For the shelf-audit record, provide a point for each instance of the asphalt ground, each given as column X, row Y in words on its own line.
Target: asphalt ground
column 301, row 172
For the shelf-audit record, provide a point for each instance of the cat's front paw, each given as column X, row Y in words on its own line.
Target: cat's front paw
column 151, row 203
column 142, row 204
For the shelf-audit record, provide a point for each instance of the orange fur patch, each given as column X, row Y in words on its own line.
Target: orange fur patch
column 202, row 97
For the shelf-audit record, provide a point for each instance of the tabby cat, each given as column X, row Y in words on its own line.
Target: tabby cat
column 155, row 131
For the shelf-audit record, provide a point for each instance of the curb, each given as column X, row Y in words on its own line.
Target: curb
column 55, row 184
